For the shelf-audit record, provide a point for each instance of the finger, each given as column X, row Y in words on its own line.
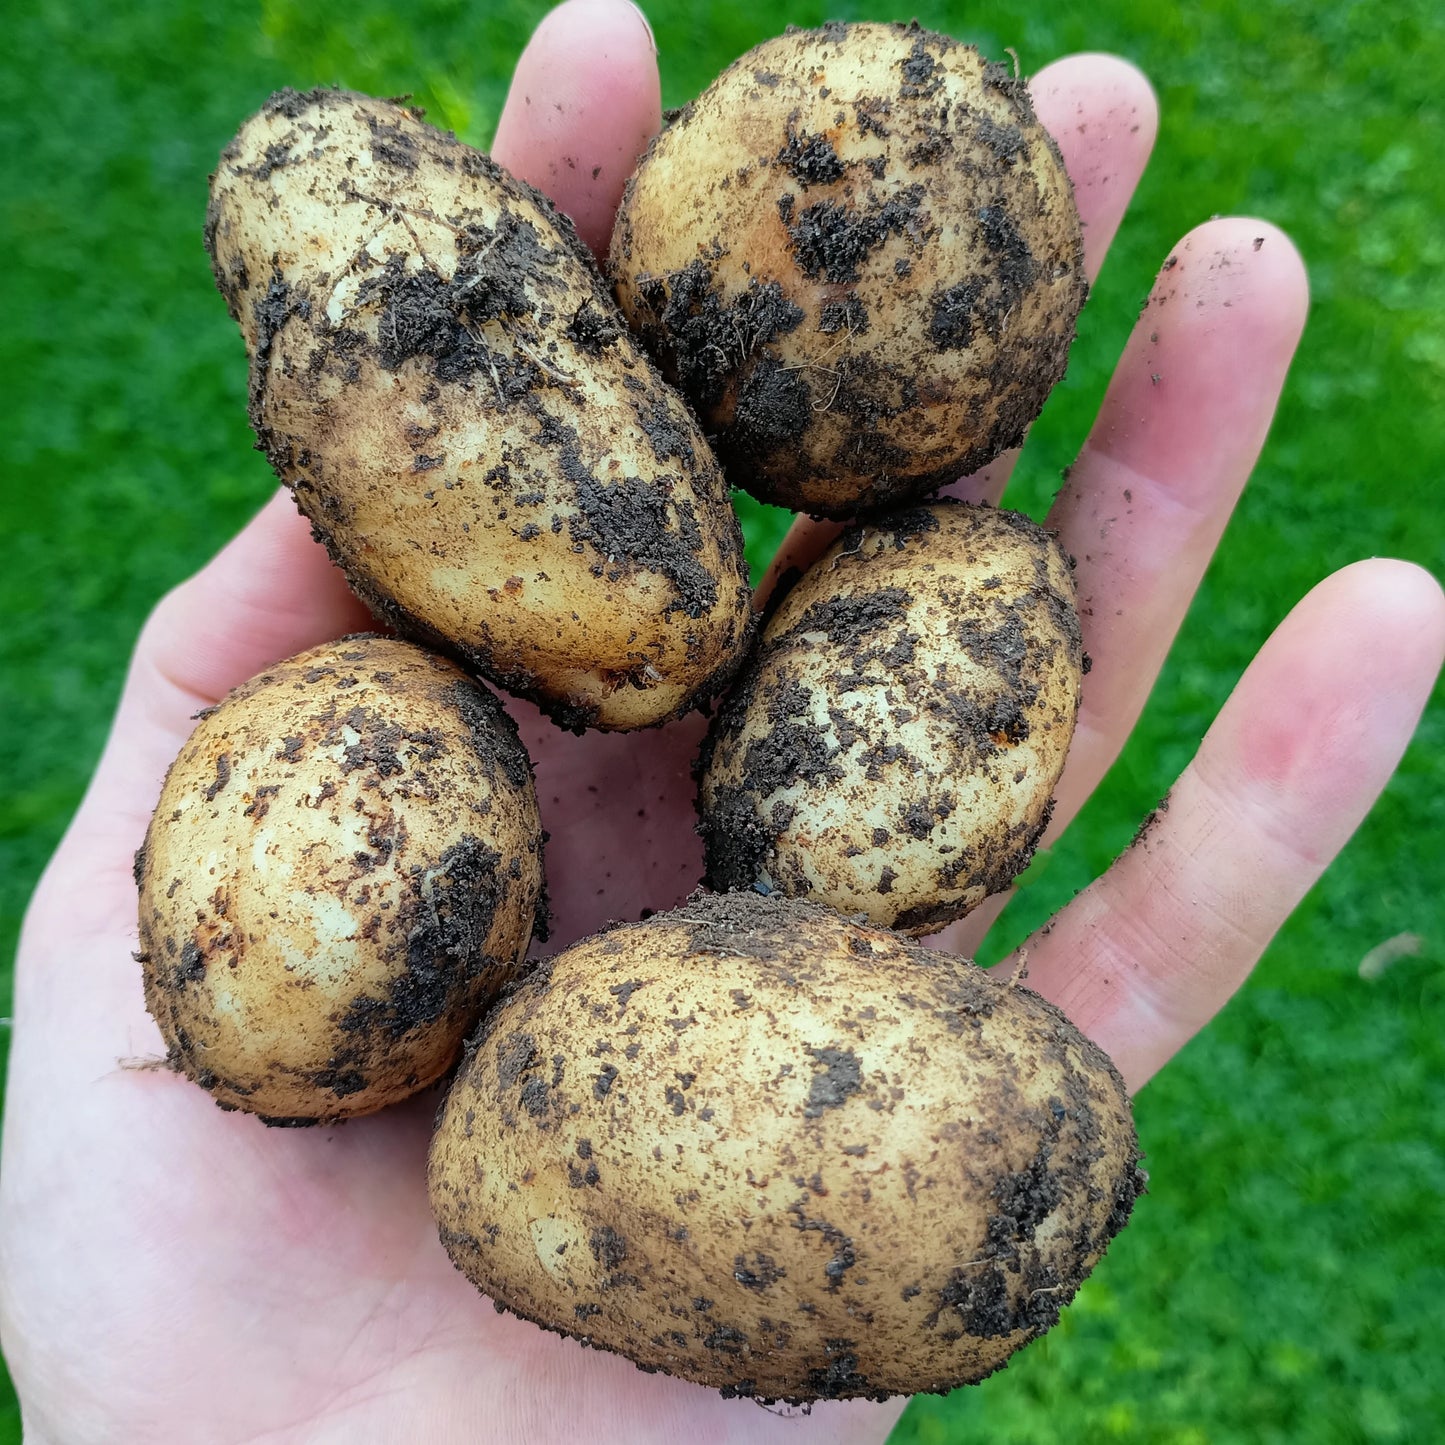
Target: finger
column 584, row 104
column 1104, row 116
column 1143, row 958
column 1180, row 430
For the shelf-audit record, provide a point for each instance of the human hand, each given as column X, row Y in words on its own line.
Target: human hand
column 172, row 1273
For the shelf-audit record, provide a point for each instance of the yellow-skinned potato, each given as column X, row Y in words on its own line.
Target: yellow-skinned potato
column 345, row 864
column 891, row 748
column 439, row 375
column 782, row 1154
column 858, row 254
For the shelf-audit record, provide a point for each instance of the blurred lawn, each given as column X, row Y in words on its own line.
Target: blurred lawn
column 1285, row 1278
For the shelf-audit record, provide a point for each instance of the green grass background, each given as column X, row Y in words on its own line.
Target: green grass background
column 1285, row 1278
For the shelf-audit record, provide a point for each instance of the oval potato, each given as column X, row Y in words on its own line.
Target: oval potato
column 781, row 1154
column 439, row 375
column 344, row 865
column 893, row 745
column 858, row 255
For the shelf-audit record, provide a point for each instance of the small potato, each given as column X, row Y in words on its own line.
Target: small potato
column 893, row 745
column 345, row 864
column 439, row 375
column 781, row 1154
column 858, row 255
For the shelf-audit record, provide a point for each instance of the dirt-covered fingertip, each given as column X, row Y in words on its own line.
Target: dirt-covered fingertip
column 1104, row 115
column 1229, row 259
column 1130, row 98
column 585, row 101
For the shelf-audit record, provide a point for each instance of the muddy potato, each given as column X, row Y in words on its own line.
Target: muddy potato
column 782, row 1154
column 858, row 254
column 344, row 866
column 892, row 747
column 439, row 375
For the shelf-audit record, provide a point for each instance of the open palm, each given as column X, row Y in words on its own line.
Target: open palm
column 172, row 1273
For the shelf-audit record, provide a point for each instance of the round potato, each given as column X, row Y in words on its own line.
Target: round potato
column 893, row 745
column 439, row 375
column 345, row 864
column 858, row 255
column 781, row 1154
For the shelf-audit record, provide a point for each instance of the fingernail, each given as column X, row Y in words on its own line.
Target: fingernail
column 651, row 38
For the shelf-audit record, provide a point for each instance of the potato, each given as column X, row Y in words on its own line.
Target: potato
column 782, row 1154
column 345, row 864
column 439, row 375
column 858, row 254
column 893, row 746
